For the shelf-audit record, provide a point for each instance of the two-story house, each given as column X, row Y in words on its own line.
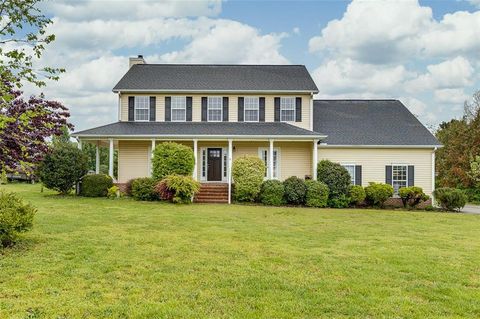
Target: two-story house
column 226, row 111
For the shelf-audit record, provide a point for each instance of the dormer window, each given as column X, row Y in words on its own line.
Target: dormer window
column 251, row 109
column 179, row 108
column 214, row 109
column 287, row 109
column 142, row 108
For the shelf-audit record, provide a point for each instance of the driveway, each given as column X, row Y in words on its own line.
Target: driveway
column 471, row 209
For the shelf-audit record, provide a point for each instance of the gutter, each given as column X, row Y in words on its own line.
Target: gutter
column 210, row 91
column 379, row 146
column 210, row 137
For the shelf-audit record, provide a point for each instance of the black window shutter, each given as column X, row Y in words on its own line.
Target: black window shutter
column 388, row 175
column 225, row 109
column 261, row 108
column 277, row 109
column 240, row 109
column 298, row 109
column 189, row 109
column 153, row 109
column 204, row 108
column 411, row 175
column 131, row 108
column 358, row 175
column 168, row 107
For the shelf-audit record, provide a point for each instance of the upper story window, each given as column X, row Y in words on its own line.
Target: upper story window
column 215, row 108
column 179, row 108
column 399, row 177
column 351, row 170
column 142, row 108
column 287, row 109
column 251, row 109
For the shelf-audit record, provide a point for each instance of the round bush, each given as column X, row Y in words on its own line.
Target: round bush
column 172, row 158
column 357, row 194
column 95, row 185
column 113, row 192
column 180, row 189
column 412, row 196
column 335, row 176
column 272, row 193
column 248, row 173
column 450, row 199
column 163, row 192
column 317, row 194
column 378, row 193
column 15, row 217
column 144, row 189
column 62, row 168
column 295, row 190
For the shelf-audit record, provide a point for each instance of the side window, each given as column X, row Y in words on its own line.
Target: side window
column 287, row 109
column 351, row 170
column 264, row 154
column 142, row 108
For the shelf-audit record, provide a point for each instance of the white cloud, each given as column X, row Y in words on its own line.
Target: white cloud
column 475, row 3
column 451, row 96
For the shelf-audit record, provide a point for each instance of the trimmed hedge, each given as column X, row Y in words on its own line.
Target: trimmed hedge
column 172, row 158
column 295, row 190
column 95, row 185
column 248, row 173
column 272, row 193
column 450, row 199
column 335, row 176
column 357, row 194
column 317, row 194
column 15, row 217
column 144, row 189
column 378, row 193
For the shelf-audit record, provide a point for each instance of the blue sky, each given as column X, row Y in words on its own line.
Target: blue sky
column 425, row 53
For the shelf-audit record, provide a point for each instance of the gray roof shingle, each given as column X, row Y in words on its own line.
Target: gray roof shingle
column 192, row 129
column 369, row 122
column 200, row 77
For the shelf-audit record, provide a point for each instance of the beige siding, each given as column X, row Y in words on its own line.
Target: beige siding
column 233, row 107
column 373, row 162
column 133, row 160
column 295, row 159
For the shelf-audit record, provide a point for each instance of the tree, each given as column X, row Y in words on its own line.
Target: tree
column 63, row 167
column 23, row 38
column 31, row 122
column 474, row 172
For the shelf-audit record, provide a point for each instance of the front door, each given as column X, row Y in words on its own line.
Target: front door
column 214, row 164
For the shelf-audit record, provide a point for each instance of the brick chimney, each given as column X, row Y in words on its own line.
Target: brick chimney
column 136, row 60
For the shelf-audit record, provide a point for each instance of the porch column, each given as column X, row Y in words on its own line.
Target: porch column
column 315, row 159
column 151, row 156
column 97, row 159
column 79, row 144
column 195, row 166
column 229, row 170
column 110, row 159
column 270, row 160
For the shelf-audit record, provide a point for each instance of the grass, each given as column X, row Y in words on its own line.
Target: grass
column 100, row 258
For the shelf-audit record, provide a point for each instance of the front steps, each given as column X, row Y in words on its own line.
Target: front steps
column 212, row 193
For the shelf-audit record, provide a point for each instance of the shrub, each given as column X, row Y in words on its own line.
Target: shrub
column 143, row 189
column 183, row 188
column 272, row 192
column 335, row 176
column 429, row 208
column 3, row 177
column 295, row 190
column 113, row 192
column 450, row 199
column 317, row 194
column 63, row 167
column 248, row 173
column 473, row 195
column 378, row 193
column 95, row 185
column 172, row 158
column 357, row 194
column 339, row 201
column 164, row 193
column 15, row 217
column 128, row 187
column 412, row 196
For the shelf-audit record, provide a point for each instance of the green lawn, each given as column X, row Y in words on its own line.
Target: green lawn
column 100, row 258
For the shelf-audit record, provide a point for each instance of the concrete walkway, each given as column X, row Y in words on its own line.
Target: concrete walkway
column 471, row 209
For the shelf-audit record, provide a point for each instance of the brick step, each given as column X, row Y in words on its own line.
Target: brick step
column 212, row 191
column 214, row 187
column 212, row 201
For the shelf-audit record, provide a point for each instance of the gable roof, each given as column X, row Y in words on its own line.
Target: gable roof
column 199, row 129
column 216, row 77
column 369, row 122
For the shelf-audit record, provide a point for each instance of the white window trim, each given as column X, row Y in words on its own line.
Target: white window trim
column 208, row 109
column 185, row 108
column 258, row 109
column 406, row 175
column 135, row 108
column 279, row 170
column 204, row 164
column 354, row 171
column 294, row 108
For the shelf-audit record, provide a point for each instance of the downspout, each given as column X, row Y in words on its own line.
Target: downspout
column 433, row 173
